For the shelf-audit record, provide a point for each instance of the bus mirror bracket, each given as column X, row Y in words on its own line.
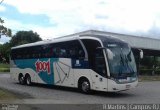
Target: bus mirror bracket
column 100, row 48
column 110, row 54
column 141, row 54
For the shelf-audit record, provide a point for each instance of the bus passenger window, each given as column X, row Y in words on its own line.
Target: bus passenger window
column 63, row 53
column 72, row 53
column 57, row 52
column 81, row 54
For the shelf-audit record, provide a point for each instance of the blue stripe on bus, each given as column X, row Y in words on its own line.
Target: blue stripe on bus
column 44, row 75
column 80, row 64
column 31, row 63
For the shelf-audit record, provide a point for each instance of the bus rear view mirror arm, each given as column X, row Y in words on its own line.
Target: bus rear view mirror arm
column 141, row 53
column 100, row 48
column 110, row 54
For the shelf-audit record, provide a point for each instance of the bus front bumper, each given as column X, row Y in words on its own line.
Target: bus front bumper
column 115, row 87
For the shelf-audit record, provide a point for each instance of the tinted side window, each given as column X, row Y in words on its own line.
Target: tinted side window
column 59, row 50
column 76, row 50
column 45, row 51
column 69, row 49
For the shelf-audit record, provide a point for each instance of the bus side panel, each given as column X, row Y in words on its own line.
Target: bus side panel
column 63, row 73
column 59, row 72
column 96, row 83
column 13, row 73
column 99, row 82
column 40, row 70
column 55, row 71
column 34, row 77
column 78, row 73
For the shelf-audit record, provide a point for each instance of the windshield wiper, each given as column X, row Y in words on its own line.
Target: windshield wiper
column 128, row 65
column 125, row 62
column 121, row 67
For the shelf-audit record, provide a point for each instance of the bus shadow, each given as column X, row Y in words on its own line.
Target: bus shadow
column 61, row 88
column 94, row 93
column 113, row 94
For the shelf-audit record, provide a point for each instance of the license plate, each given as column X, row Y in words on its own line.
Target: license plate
column 128, row 86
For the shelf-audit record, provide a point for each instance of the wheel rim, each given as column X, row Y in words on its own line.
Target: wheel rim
column 28, row 81
column 85, row 86
column 21, row 80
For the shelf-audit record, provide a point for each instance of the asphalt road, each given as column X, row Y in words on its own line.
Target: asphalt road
column 146, row 92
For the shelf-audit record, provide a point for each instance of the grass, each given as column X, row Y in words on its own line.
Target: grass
column 6, row 95
column 149, row 78
column 4, row 67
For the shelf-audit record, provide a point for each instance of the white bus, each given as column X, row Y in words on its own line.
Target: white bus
column 87, row 62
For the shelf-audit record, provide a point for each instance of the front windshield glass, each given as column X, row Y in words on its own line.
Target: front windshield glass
column 122, row 65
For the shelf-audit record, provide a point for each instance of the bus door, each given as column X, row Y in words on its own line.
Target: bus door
column 100, row 80
column 96, row 63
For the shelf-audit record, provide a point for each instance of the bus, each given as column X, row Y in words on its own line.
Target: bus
column 87, row 62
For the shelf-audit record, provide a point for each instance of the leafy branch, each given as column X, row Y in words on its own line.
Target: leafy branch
column 3, row 30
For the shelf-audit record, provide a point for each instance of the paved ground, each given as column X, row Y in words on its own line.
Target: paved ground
column 146, row 92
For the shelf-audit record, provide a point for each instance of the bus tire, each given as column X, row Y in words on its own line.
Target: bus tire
column 21, row 79
column 84, row 85
column 28, row 80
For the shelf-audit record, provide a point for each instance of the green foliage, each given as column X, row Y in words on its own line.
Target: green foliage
column 150, row 65
column 4, row 30
column 149, row 78
column 147, row 61
column 23, row 37
column 4, row 67
column 4, row 52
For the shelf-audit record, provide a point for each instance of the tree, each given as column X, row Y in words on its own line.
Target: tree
column 4, row 52
column 23, row 37
column 3, row 30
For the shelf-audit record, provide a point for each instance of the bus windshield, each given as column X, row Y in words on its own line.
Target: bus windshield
column 122, row 65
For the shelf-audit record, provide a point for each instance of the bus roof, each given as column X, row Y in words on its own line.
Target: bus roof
column 69, row 38
column 55, row 40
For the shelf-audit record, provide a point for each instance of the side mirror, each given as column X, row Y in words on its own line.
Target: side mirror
column 110, row 54
column 141, row 54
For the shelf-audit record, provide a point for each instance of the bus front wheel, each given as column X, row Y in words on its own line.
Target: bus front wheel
column 84, row 86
